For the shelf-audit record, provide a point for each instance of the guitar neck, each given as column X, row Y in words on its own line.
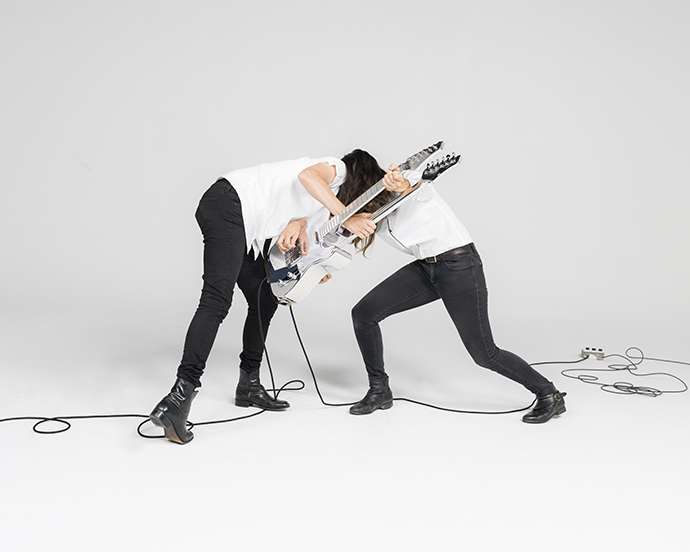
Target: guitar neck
column 383, row 212
column 356, row 205
column 392, row 205
column 412, row 162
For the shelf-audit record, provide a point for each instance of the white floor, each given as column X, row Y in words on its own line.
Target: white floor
column 612, row 473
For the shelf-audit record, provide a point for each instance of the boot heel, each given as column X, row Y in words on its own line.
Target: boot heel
column 244, row 403
column 172, row 435
column 159, row 419
column 387, row 406
column 172, row 412
column 156, row 418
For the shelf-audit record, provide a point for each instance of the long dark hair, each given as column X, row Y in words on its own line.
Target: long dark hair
column 363, row 172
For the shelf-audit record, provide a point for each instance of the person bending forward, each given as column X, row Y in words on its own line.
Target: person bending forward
column 236, row 215
column 447, row 267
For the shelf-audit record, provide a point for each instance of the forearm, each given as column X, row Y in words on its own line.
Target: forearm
column 314, row 180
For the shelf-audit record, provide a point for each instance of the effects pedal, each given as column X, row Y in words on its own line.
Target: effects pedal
column 589, row 351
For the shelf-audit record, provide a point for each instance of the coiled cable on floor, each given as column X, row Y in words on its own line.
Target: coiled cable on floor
column 633, row 358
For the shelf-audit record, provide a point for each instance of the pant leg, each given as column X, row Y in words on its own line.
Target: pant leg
column 220, row 218
column 462, row 287
column 262, row 307
column 406, row 289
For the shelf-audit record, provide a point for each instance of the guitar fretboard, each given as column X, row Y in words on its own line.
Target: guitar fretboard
column 412, row 162
column 350, row 210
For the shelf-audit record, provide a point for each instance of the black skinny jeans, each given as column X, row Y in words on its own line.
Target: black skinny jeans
column 226, row 263
column 460, row 284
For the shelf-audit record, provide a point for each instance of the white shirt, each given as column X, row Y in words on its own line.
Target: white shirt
column 272, row 196
column 424, row 226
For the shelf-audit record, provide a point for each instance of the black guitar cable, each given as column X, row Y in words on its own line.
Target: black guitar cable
column 316, row 385
column 632, row 362
column 273, row 389
column 325, row 403
column 64, row 420
column 619, row 387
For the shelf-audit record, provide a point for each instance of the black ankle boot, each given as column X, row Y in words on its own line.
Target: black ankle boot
column 378, row 396
column 550, row 403
column 250, row 392
column 172, row 412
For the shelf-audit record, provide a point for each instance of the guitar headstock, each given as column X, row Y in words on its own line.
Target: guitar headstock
column 432, row 170
column 413, row 162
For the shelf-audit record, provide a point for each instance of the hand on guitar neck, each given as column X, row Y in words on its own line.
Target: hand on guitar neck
column 394, row 181
column 360, row 225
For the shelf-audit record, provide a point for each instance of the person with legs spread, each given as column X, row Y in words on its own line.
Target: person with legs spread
column 447, row 267
column 237, row 215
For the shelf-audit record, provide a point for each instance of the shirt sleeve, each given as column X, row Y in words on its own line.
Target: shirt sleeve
column 413, row 176
column 425, row 192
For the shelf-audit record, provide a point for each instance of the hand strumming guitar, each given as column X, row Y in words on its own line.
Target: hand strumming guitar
column 294, row 231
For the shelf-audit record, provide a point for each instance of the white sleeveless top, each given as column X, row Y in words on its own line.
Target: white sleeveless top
column 272, row 196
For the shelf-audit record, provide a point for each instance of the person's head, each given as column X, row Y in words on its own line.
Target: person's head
column 363, row 172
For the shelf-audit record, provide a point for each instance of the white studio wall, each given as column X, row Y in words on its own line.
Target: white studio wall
column 572, row 119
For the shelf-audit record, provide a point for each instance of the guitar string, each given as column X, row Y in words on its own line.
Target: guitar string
column 438, row 167
column 424, row 154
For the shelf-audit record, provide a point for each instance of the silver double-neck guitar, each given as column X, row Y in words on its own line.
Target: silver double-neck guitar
column 293, row 276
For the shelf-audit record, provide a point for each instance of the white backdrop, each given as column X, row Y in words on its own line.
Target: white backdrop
column 573, row 120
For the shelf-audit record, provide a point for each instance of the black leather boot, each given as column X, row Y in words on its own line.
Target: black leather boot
column 250, row 392
column 172, row 412
column 378, row 396
column 550, row 403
